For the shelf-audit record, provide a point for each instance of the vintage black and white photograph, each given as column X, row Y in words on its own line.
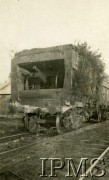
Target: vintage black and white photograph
column 54, row 89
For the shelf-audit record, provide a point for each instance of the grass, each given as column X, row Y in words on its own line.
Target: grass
column 10, row 127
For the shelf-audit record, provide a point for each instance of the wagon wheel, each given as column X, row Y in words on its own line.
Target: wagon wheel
column 30, row 123
column 68, row 123
column 64, row 124
column 32, row 126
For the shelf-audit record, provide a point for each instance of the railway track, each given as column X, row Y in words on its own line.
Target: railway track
column 12, row 137
column 18, row 136
column 88, row 147
column 26, row 144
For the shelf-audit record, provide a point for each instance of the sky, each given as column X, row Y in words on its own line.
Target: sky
column 27, row 24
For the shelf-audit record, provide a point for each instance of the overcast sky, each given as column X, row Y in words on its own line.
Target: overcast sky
column 26, row 24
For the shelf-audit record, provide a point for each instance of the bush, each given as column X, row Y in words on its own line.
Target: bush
column 90, row 74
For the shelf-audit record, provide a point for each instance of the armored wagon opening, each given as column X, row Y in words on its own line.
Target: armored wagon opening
column 42, row 75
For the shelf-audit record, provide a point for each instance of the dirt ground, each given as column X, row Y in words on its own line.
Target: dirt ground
column 87, row 142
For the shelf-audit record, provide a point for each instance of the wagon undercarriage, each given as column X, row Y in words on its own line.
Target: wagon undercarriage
column 63, row 121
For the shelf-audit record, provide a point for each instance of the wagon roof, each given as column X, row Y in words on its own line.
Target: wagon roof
column 43, row 50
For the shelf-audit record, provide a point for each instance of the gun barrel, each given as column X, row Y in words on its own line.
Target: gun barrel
column 40, row 74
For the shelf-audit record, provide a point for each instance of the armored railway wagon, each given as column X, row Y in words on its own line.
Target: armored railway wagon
column 42, row 82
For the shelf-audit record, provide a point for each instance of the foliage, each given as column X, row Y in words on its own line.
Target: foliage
column 90, row 74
